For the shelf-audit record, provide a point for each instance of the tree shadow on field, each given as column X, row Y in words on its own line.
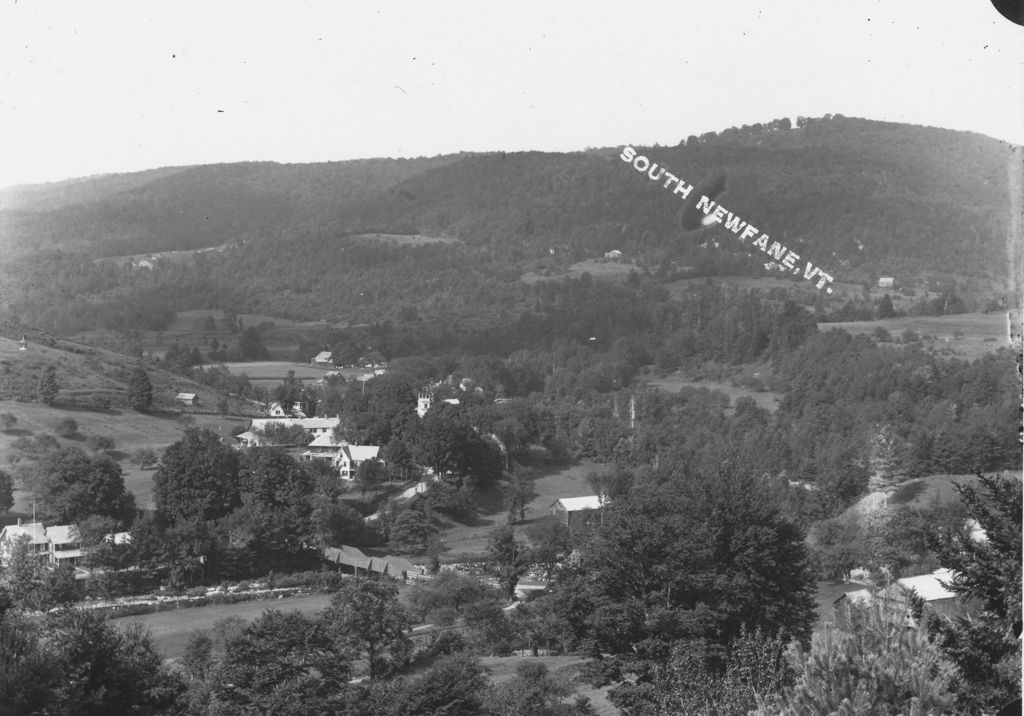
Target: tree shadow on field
column 908, row 492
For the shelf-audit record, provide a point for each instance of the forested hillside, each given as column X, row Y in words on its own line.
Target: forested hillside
column 859, row 198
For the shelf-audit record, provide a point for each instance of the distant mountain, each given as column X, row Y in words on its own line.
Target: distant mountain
column 192, row 207
column 860, row 198
column 871, row 193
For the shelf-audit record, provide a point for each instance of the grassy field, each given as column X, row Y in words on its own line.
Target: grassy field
column 503, row 668
column 408, row 240
column 461, row 540
column 178, row 257
column 967, row 336
column 673, row 384
column 273, row 372
column 171, row 629
column 598, row 268
column 840, row 290
column 129, row 429
column 280, row 335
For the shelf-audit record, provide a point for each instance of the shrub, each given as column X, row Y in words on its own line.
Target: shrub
column 100, row 443
column 8, row 421
column 65, row 427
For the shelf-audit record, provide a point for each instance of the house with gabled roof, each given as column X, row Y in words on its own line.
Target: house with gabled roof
column 65, row 544
column 323, row 358
column 349, row 457
column 33, row 532
column 323, row 447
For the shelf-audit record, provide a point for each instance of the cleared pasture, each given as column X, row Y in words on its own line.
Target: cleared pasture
column 467, row 541
column 673, row 384
column 171, row 629
column 130, row 430
column 597, row 268
column 273, row 372
column 967, row 335
column 408, row 239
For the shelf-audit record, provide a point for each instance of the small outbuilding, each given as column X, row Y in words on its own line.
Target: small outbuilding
column 574, row 511
column 190, row 399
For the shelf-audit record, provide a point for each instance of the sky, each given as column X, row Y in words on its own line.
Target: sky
column 99, row 87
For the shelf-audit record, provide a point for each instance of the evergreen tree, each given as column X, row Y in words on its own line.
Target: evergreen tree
column 140, row 390
column 878, row 666
column 987, row 571
column 885, row 309
column 510, row 558
column 48, row 387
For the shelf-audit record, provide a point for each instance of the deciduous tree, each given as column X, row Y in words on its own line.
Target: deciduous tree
column 365, row 615
column 198, row 478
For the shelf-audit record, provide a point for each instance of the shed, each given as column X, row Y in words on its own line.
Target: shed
column 187, row 398
column 574, row 511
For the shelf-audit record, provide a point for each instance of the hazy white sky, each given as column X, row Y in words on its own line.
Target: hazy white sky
column 112, row 86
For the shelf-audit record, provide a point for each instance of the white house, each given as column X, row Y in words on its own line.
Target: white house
column 248, row 439
column 322, row 358
column 276, row 410
column 65, row 543
column 35, row 532
column 56, row 545
column 313, row 426
column 323, row 447
column 349, row 457
column 614, row 254
column 886, row 282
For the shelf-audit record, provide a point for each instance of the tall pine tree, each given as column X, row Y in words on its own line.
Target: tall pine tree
column 140, row 390
column 47, row 388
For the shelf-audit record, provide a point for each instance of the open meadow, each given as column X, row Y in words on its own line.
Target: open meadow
column 270, row 373
column 130, row 430
column 597, row 268
column 200, row 327
column 407, row 239
column 171, row 629
column 674, row 383
column 966, row 336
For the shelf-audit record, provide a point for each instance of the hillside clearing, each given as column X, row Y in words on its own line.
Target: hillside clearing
column 468, row 541
column 597, row 268
column 673, row 384
column 171, row 629
column 130, row 430
column 407, row 239
column 966, row 335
